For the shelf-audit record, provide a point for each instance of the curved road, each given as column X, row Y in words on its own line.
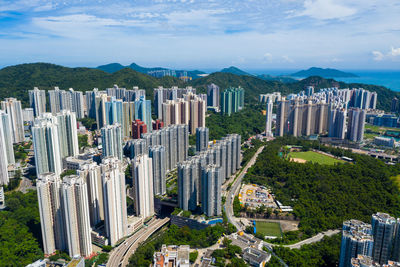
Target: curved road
column 235, row 187
column 310, row 240
column 120, row 255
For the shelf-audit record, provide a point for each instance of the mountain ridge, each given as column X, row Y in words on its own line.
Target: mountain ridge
column 15, row 81
column 114, row 67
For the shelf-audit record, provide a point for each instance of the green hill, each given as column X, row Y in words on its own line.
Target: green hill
column 111, row 68
column 234, row 70
column 114, row 67
column 15, row 81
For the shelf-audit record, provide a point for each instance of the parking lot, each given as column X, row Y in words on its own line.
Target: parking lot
column 254, row 196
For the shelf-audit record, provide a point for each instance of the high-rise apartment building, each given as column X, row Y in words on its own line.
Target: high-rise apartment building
column 188, row 185
column 232, row 100
column 6, row 128
column 128, row 117
column 357, row 239
column 202, row 139
column 138, row 128
column 297, row 118
column 28, row 115
column 211, row 190
column 175, row 112
column 46, row 145
column 111, row 137
column 90, row 99
column 142, row 172
column 48, row 187
column 91, row 173
column 13, row 108
column 309, row 90
column 224, row 154
column 157, row 154
column 136, row 147
column 77, row 103
column 114, row 111
column 175, row 139
column 4, row 179
column 383, row 230
column 213, row 96
column 161, row 95
column 54, row 99
column 189, row 110
column 68, row 133
column 100, row 109
column 76, row 214
column 363, row 99
column 114, row 198
column 54, row 138
column 197, row 114
column 143, row 111
column 157, row 124
column 337, row 122
column 60, row 100
column 37, row 101
column 268, row 118
column 275, row 97
column 356, row 124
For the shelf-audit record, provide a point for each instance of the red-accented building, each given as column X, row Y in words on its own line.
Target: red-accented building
column 157, row 125
column 138, row 128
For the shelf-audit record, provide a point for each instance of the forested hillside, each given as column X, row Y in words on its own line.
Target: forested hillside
column 323, row 196
column 15, row 81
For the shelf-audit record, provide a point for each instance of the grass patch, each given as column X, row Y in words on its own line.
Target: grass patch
column 376, row 128
column 269, row 228
column 315, row 157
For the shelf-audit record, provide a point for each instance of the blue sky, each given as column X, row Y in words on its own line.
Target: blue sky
column 251, row 34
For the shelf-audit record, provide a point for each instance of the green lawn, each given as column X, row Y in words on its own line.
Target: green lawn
column 269, row 228
column 315, row 157
column 375, row 128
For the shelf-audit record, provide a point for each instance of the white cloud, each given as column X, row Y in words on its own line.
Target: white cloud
column 378, row 55
column 391, row 55
column 267, row 57
column 287, row 59
column 325, row 9
column 395, row 52
column 335, row 59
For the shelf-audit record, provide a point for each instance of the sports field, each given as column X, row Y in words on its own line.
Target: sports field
column 268, row 228
column 314, row 157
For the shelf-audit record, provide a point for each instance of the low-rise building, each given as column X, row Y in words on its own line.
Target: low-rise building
column 172, row 256
column 384, row 141
column 366, row 261
column 256, row 257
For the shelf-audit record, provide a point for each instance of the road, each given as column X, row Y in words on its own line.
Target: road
column 313, row 239
column 235, row 187
column 120, row 255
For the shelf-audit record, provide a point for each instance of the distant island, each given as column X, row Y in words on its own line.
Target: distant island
column 326, row 73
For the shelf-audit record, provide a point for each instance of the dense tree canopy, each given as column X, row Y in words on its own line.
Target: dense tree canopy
column 324, row 253
column 247, row 122
column 15, row 81
column 178, row 236
column 324, row 196
column 20, row 233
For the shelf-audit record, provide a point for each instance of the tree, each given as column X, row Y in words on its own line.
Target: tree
column 226, row 242
column 193, row 256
